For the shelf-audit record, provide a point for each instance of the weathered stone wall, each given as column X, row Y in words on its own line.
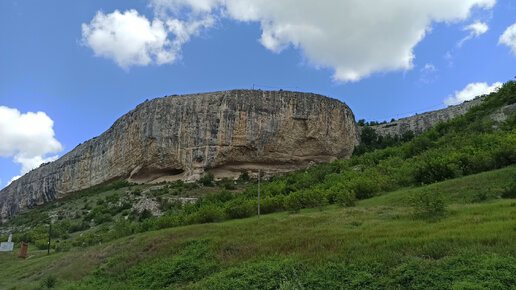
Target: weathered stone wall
column 181, row 137
column 422, row 122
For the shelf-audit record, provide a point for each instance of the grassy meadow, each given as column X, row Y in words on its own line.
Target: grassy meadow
column 379, row 242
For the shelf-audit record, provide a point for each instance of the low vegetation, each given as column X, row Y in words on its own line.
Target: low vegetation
column 381, row 242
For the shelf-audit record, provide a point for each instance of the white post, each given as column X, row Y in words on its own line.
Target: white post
column 259, row 176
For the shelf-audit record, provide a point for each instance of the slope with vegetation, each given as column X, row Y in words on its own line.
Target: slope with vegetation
column 404, row 216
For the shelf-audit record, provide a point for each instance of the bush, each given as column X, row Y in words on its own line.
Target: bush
column 226, row 183
column 364, row 187
column 510, row 191
column 207, row 180
column 206, row 214
column 48, row 282
column 170, row 221
column 145, row 214
column 344, row 197
column 272, row 204
column 194, row 261
column 312, row 198
column 293, row 202
column 102, row 218
column 78, row 226
column 428, row 204
column 239, row 208
column 244, row 176
column 434, row 169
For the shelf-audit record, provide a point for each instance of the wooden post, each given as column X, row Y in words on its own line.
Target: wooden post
column 23, row 250
column 259, row 177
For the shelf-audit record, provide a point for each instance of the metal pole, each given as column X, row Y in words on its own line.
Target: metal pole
column 259, row 176
column 49, row 233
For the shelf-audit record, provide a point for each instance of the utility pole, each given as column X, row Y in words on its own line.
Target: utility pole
column 49, row 233
column 259, row 176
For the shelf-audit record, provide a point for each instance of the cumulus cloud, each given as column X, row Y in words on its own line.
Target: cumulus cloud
column 471, row 91
column 131, row 39
column 509, row 38
column 354, row 38
column 27, row 138
column 475, row 30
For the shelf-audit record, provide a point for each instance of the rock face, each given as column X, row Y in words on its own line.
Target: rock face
column 422, row 122
column 182, row 137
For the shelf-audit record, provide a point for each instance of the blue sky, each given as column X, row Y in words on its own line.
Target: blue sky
column 77, row 64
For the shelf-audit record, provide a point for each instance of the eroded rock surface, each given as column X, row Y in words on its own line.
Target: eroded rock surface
column 182, row 137
column 422, row 122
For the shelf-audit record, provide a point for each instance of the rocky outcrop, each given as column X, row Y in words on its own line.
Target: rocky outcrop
column 182, row 137
column 422, row 122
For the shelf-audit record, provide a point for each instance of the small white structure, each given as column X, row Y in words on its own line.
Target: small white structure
column 7, row 246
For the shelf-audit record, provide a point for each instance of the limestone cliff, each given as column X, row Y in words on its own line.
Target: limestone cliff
column 181, row 137
column 422, row 122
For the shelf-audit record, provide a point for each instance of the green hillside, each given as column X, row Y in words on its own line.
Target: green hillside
column 436, row 211
column 378, row 243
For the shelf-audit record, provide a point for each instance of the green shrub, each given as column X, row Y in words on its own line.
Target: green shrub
column 113, row 198
column 170, row 221
column 221, row 197
column 272, row 204
column 194, row 261
column 435, row 168
column 41, row 244
column 206, row 214
column 207, row 179
column 428, row 204
column 510, row 191
column 292, row 202
column 312, row 198
column 145, row 214
column 268, row 274
column 226, row 183
column 240, row 208
column 364, row 187
column 480, row 196
column 244, row 176
column 344, row 197
column 48, row 282
column 78, row 226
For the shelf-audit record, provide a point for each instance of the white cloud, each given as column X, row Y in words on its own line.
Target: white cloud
column 471, row 91
column 475, row 30
column 509, row 38
column 131, row 39
column 428, row 68
column 355, row 38
column 27, row 138
column 428, row 74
